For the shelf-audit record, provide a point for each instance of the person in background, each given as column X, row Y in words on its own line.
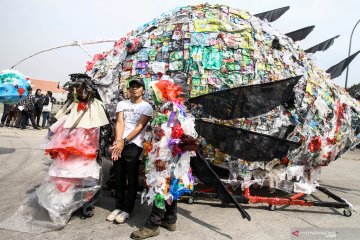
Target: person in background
column 5, row 114
column 48, row 104
column 12, row 115
column 131, row 118
column 39, row 103
column 26, row 107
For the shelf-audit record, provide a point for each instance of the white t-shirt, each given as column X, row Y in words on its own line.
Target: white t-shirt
column 132, row 113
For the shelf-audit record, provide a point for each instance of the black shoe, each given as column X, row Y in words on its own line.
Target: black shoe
column 37, row 128
column 1, row 125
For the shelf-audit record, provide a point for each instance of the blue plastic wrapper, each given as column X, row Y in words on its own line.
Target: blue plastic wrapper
column 177, row 189
column 13, row 86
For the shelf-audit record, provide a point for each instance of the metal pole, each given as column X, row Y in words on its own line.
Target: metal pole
column 347, row 69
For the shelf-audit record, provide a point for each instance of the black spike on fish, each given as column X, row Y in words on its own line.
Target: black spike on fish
column 272, row 15
column 338, row 68
column 323, row 46
column 300, row 34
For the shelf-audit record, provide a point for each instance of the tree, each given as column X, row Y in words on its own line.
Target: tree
column 354, row 91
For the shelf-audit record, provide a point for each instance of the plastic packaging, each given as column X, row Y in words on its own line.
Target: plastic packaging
column 13, row 86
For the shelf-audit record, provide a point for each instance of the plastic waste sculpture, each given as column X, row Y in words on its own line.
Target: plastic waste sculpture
column 247, row 89
column 257, row 95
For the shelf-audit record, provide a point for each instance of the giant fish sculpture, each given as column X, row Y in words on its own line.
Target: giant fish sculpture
column 256, row 94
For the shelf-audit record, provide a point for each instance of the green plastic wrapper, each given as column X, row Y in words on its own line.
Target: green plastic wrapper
column 160, row 119
column 212, row 58
column 159, row 201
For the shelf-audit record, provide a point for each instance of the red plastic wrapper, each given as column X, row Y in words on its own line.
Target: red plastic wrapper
column 79, row 141
column 81, row 106
column 120, row 43
column 96, row 57
column 147, row 148
column 169, row 90
column 21, row 91
column 177, row 131
column 158, row 133
column 315, row 144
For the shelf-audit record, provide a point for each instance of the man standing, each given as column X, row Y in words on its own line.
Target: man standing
column 27, row 110
column 46, row 108
column 5, row 114
column 131, row 119
column 39, row 103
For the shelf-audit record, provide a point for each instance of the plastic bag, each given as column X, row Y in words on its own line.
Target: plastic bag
column 79, row 141
column 169, row 90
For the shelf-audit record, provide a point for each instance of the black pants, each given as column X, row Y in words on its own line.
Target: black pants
column 10, row 117
column 25, row 116
column 169, row 215
column 5, row 113
column 37, row 115
column 126, row 171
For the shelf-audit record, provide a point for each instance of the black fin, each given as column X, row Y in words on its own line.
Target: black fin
column 247, row 101
column 240, row 143
column 300, row 34
column 322, row 46
column 272, row 15
column 338, row 68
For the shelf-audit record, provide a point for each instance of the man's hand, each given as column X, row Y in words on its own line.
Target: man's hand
column 116, row 149
column 160, row 165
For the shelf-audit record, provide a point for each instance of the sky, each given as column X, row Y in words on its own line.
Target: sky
column 28, row 26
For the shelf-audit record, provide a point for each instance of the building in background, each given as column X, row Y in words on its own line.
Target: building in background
column 46, row 85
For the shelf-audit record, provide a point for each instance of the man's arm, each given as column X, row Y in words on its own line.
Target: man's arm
column 143, row 120
column 118, row 144
column 119, row 126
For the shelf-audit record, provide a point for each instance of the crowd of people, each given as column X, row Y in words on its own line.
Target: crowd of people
column 30, row 110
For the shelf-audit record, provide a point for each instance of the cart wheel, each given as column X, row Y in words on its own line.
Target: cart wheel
column 272, row 207
column 347, row 213
column 87, row 212
column 190, row 200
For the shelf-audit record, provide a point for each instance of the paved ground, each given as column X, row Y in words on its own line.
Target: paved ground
column 22, row 169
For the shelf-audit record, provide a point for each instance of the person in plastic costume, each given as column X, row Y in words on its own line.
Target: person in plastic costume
column 131, row 118
column 165, row 218
column 170, row 134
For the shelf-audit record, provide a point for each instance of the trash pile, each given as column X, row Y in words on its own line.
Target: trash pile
column 208, row 48
column 13, row 86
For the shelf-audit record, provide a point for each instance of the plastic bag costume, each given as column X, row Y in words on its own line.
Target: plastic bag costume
column 74, row 177
column 173, row 140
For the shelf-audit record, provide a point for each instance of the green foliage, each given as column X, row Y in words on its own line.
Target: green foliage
column 354, row 91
